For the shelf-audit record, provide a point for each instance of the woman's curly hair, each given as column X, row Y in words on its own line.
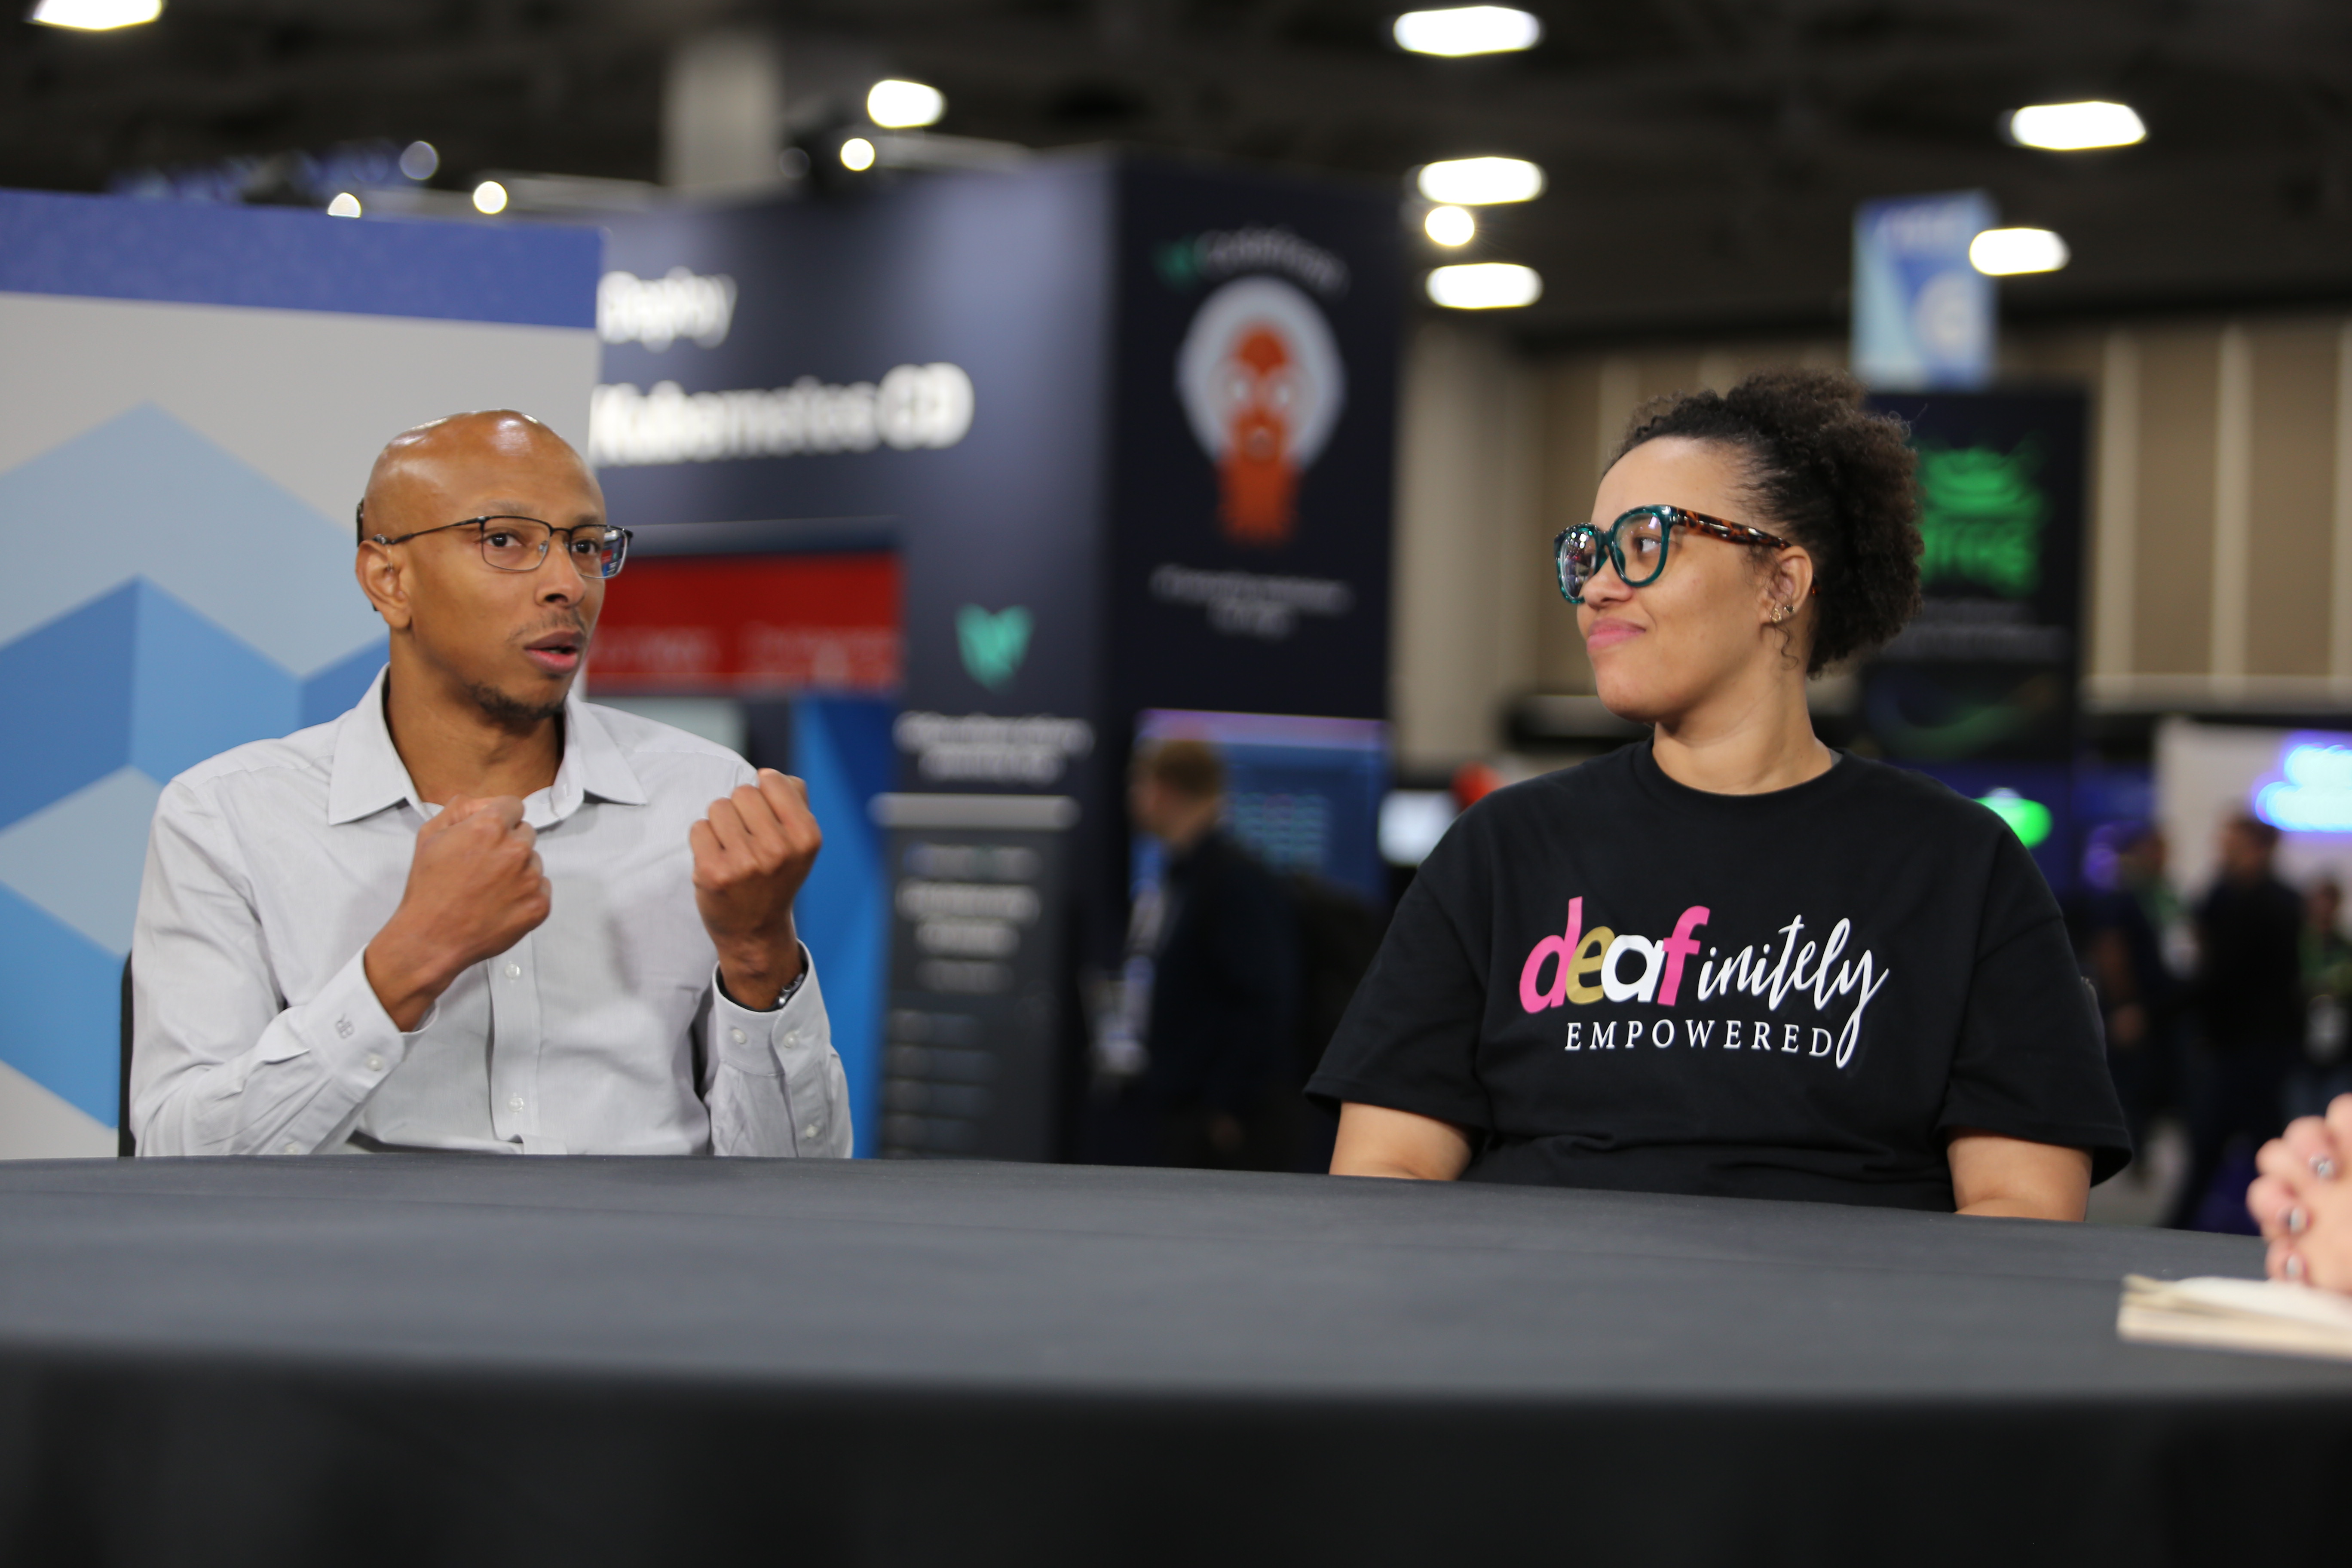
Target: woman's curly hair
column 1826, row 474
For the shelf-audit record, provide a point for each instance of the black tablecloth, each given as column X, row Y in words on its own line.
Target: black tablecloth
column 422, row 1358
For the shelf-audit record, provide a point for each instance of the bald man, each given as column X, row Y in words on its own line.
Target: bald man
column 476, row 912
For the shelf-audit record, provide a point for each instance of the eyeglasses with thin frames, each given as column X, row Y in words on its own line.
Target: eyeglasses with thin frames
column 596, row 550
column 1636, row 545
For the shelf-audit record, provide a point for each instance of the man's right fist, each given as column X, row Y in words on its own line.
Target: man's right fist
column 475, row 888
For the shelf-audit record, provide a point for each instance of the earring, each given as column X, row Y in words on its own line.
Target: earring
column 1780, row 614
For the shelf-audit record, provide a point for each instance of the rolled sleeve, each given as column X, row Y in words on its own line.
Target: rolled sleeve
column 777, row 1086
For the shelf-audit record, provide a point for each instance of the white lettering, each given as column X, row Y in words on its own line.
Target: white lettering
column 1850, row 1036
column 1731, row 1036
column 1573, row 1030
column 1654, row 958
column 1699, row 1031
column 1838, row 934
column 1662, row 1033
column 914, row 406
column 657, row 311
column 1781, row 977
column 1604, row 1037
column 1791, row 1035
column 1632, row 1032
column 1821, row 1042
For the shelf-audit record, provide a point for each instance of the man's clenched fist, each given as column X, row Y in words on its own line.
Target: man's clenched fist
column 752, row 854
column 475, row 889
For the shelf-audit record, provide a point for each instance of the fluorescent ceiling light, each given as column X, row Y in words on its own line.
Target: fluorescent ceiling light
column 1476, row 182
column 2073, row 127
column 1467, row 30
column 857, row 155
column 903, row 105
column 490, row 196
column 1450, row 225
column 2005, row 252
column 1485, row 286
column 345, row 204
column 96, row 16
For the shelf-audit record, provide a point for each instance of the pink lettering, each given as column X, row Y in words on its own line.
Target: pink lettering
column 1678, row 948
column 1562, row 949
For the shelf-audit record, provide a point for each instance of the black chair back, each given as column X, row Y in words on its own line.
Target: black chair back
column 124, row 1144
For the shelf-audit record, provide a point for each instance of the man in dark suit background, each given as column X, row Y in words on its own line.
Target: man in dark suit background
column 1215, row 949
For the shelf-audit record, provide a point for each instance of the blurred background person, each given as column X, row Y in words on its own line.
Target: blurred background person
column 2322, row 1073
column 2139, row 994
column 2250, row 1018
column 1199, row 1051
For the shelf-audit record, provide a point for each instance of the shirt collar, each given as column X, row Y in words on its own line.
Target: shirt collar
column 369, row 776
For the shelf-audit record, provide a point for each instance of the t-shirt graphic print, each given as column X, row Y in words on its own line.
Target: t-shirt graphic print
column 1611, row 980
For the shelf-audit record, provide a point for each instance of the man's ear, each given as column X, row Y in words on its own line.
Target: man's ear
column 384, row 582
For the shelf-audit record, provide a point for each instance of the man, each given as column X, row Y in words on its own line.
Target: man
column 2135, row 986
column 476, row 912
column 1213, row 972
column 2249, row 995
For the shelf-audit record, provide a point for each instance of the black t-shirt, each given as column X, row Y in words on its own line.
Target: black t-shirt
column 1624, row 982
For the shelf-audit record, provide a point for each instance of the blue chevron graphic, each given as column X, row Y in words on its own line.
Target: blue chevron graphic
column 165, row 602
column 60, row 1006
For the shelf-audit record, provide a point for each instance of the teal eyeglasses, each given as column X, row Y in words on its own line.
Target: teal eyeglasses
column 1636, row 545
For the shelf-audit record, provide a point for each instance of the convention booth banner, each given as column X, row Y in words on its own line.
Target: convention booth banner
column 1129, row 425
column 189, row 404
column 1988, row 670
column 1256, row 355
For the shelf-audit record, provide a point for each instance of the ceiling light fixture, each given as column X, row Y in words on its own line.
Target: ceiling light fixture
column 345, row 204
column 1450, row 225
column 2077, row 127
column 2006, row 252
column 857, row 155
column 1485, row 286
column 490, row 197
column 96, row 16
column 1478, row 182
column 1467, row 30
column 903, row 105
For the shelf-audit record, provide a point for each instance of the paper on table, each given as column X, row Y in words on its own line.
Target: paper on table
column 2236, row 1314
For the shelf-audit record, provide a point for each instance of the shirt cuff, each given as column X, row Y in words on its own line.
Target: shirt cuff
column 749, row 1041
column 346, row 1027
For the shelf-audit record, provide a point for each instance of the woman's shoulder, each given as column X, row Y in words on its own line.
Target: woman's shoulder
column 1922, row 801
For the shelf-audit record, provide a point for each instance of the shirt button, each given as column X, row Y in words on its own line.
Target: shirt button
column 292, row 1147
column 792, row 1036
column 810, row 1130
column 737, row 1036
column 514, row 972
column 375, row 1064
column 514, row 1102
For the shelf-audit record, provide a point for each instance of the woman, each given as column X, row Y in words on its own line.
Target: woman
column 1730, row 960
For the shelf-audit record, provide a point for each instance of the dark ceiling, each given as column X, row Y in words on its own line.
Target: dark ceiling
column 1705, row 155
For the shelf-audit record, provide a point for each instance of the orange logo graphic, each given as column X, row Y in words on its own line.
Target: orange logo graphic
column 1262, row 384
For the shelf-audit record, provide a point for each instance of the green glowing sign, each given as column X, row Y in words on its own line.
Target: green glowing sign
column 1981, row 516
column 2029, row 819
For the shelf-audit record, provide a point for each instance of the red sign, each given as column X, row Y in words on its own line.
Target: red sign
column 766, row 624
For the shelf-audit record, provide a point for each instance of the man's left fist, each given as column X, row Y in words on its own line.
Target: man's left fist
column 752, row 853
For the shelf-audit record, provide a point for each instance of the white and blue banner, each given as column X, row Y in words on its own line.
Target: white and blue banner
column 1922, row 317
column 190, row 398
